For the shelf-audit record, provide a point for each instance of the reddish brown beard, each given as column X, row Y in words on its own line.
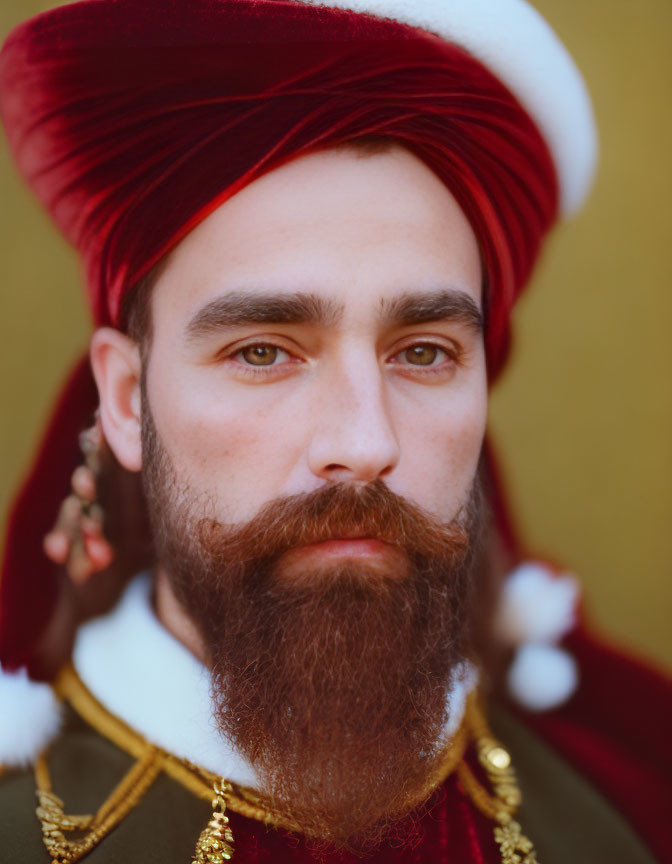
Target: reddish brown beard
column 334, row 687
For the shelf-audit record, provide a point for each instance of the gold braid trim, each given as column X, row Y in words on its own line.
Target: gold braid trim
column 69, row 686
column 514, row 846
column 199, row 781
column 55, row 823
column 478, row 796
column 215, row 843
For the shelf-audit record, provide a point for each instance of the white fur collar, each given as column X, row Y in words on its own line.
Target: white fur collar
column 141, row 674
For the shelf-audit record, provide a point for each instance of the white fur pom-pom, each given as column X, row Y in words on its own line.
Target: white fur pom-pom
column 536, row 606
column 542, row 676
column 30, row 718
column 536, row 609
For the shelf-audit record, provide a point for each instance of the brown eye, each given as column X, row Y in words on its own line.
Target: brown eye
column 421, row 355
column 260, row 355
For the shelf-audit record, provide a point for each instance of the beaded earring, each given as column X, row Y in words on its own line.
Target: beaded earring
column 77, row 540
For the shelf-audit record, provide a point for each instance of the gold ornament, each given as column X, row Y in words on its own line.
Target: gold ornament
column 68, row 838
column 512, row 841
column 215, row 845
column 514, row 846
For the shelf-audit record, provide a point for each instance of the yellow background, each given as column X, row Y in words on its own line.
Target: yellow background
column 584, row 415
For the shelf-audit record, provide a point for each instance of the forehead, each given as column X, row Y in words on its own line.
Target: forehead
column 355, row 227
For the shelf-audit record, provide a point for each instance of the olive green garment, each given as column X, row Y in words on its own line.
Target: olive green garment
column 566, row 818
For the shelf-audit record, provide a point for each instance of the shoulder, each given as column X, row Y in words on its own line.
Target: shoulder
column 84, row 769
column 20, row 833
column 615, row 732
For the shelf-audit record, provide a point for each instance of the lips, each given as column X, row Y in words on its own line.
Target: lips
column 356, row 549
column 353, row 544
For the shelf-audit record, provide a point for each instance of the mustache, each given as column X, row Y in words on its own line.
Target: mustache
column 335, row 511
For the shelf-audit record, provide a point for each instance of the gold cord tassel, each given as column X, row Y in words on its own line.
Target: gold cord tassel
column 215, row 845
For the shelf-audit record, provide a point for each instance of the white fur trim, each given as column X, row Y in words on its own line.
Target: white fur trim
column 465, row 680
column 140, row 673
column 536, row 609
column 30, row 719
column 536, row 605
column 519, row 46
column 542, row 676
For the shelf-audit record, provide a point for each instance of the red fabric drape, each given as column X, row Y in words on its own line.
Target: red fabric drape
column 616, row 732
column 452, row 832
column 29, row 581
column 133, row 121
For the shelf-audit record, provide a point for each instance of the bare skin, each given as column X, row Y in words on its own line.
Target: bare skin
column 348, row 379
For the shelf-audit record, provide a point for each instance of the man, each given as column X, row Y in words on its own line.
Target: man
column 303, row 230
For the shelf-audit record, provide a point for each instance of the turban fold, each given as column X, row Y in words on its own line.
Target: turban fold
column 132, row 120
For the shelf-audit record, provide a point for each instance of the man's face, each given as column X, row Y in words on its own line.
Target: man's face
column 323, row 325
column 312, row 418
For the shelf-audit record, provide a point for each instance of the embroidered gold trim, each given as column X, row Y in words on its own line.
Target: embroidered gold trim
column 514, row 846
column 199, row 781
column 55, row 823
column 215, row 844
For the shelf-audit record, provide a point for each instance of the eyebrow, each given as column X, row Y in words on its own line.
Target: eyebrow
column 445, row 304
column 242, row 308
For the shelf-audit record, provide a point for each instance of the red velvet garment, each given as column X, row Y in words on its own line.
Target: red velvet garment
column 29, row 582
column 452, row 832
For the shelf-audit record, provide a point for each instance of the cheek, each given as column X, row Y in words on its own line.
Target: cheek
column 441, row 441
column 232, row 442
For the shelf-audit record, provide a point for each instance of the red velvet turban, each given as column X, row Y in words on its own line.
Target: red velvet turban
column 132, row 120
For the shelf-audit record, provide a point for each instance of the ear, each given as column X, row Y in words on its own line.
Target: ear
column 116, row 364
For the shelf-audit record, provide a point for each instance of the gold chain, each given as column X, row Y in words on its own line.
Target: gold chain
column 514, row 846
column 215, row 843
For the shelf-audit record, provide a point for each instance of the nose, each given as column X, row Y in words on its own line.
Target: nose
column 353, row 436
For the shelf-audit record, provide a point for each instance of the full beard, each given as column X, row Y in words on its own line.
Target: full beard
column 335, row 684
